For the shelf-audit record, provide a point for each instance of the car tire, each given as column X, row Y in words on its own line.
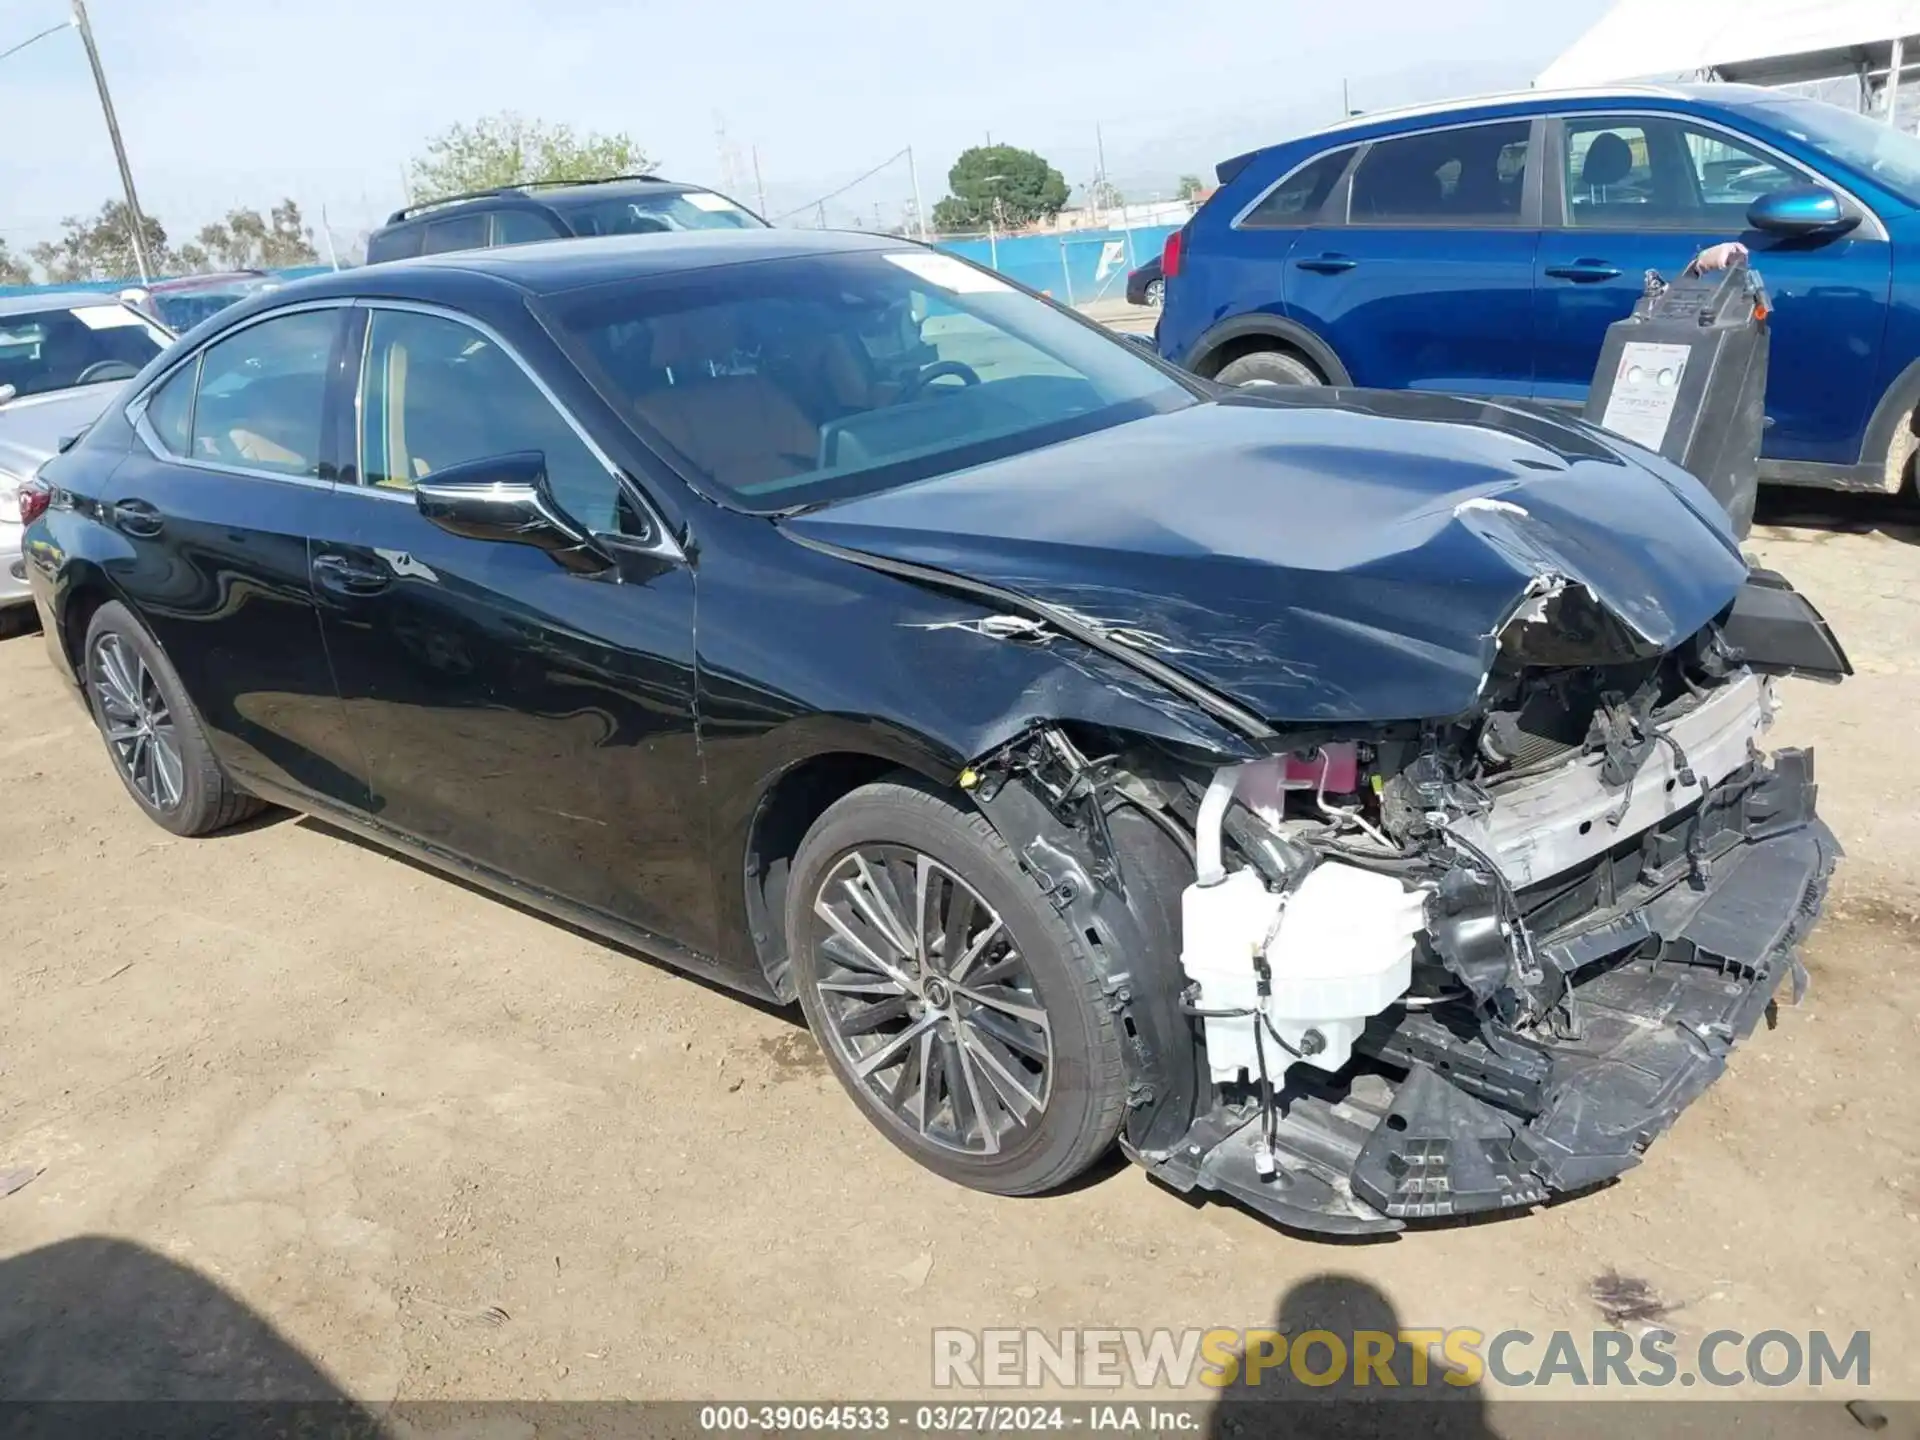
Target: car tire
column 948, row 1064
column 152, row 732
column 1156, row 293
column 1269, row 367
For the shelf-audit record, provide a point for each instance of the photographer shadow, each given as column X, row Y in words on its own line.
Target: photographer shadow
column 104, row 1337
column 1315, row 1385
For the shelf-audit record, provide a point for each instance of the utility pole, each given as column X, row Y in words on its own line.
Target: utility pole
column 919, row 215
column 1896, row 65
column 326, row 229
column 759, row 185
column 136, row 222
column 1100, row 186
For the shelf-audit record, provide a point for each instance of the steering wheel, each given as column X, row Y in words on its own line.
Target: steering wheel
column 105, row 370
column 939, row 369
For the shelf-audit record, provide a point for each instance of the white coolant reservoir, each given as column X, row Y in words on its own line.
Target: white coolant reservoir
column 1342, row 951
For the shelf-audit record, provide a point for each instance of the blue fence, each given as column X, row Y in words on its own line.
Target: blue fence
column 299, row 272
column 1073, row 266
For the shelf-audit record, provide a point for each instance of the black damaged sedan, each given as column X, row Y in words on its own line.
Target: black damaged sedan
column 1354, row 803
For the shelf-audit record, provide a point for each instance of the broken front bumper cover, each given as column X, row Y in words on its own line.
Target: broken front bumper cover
column 1439, row 1118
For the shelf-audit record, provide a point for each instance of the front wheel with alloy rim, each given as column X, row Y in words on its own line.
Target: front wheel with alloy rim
column 158, row 746
column 958, row 1009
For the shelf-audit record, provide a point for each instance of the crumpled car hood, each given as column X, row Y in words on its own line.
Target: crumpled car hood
column 1320, row 556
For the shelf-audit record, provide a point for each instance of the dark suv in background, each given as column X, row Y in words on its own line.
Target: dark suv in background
column 520, row 214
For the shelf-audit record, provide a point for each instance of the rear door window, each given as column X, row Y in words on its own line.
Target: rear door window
column 261, row 393
column 456, row 232
column 1471, row 175
column 1298, row 199
column 522, row 227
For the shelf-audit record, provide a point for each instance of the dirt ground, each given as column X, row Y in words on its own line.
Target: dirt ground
column 445, row 1148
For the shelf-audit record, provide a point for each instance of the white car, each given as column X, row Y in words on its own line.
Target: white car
column 62, row 358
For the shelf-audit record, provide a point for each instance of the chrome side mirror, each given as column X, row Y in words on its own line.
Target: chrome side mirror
column 505, row 498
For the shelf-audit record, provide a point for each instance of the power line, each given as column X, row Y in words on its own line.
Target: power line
column 32, row 39
column 816, row 203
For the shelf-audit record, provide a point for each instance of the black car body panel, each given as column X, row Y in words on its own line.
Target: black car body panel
column 1081, row 640
column 1307, row 555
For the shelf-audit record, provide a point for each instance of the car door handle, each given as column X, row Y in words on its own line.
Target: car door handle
column 1328, row 264
column 338, row 573
column 1585, row 272
column 137, row 518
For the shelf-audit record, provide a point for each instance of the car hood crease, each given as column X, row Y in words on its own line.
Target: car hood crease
column 1320, row 558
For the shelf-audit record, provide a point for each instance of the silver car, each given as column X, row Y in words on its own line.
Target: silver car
column 62, row 358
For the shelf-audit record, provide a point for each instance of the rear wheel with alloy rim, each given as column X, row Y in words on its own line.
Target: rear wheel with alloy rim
column 956, row 1007
column 157, row 744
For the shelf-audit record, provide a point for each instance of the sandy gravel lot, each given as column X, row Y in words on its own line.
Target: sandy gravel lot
column 441, row 1147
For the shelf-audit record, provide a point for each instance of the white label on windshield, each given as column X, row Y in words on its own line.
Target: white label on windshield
column 948, row 273
column 708, row 201
column 106, row 317
column 1644, row 391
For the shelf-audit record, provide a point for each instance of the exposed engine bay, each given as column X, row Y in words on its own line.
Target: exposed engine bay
column 1452, row 965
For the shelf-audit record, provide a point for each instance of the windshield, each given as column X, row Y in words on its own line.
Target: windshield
column 184, row 309
column 651, row 213
column 786, row 383
column 56, row 349
column 1890, row 156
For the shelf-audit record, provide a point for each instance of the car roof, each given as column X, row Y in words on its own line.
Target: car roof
column 538, row 193
column 551, row 266
column 1530, row 98
column 35, row 302
column 1375, row 123
column 197, row 282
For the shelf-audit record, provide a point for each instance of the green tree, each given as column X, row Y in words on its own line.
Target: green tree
column 1190, row 187
column 1003, row 183
column 12, row 271
column 101, row 248
column 510, row 149
column 247, row 240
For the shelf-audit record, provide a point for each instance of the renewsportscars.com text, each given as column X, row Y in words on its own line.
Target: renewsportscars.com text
column 1383, row 1359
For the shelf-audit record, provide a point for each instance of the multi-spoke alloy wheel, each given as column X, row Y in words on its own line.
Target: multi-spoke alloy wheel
column 929, row 1001
column 154, row 734
column 965, row 1015
column 137, row 722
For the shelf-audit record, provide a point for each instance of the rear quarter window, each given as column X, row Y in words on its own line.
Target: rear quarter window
column 396, row 244
column 1299, row 197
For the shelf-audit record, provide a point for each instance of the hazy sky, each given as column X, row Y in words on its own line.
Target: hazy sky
column 229, row 102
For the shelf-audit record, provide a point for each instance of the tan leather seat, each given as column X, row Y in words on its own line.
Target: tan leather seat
column 742, row 430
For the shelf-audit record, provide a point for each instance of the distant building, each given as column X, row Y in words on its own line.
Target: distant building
column 1860, row 53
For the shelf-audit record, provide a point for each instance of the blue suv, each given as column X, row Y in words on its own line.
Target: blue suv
column 1484, row 248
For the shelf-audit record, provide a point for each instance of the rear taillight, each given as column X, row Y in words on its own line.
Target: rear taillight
column 34, row 499
column 1171, row 255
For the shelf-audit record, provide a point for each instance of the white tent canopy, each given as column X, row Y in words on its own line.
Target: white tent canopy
column 1766, row 42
